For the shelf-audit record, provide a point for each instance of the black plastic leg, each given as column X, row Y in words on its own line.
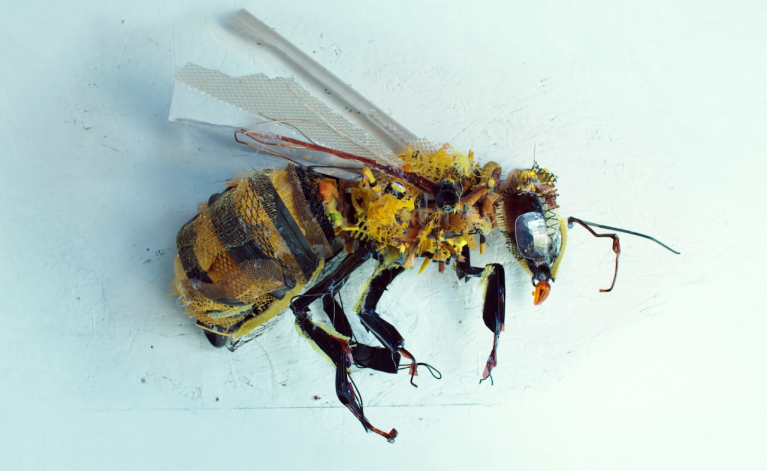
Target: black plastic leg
column 338, row 349
column 339, row 352
column 365, row 356
column 216, row 340
column 494, row 312
column 383, row 331
column 336, row 314
column 464, row 268
column 386, row 333
column 331, row 283
column 377, row 358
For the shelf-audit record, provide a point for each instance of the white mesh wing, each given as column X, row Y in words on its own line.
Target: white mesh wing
column 282, row 99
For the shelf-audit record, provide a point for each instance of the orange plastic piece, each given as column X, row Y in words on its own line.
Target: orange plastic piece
column 328, row 191
column 541, row 292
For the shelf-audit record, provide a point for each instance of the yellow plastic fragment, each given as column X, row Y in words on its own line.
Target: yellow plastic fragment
column 426, row 262
column 371, row 180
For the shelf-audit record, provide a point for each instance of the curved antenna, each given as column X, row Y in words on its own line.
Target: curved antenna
column 616, row 242
column 616, row 248
column 582, row 222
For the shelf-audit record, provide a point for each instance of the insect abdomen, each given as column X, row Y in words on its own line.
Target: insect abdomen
column 263, row 236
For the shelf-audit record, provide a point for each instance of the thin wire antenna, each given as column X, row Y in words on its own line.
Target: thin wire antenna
column 616, row 248
column 610, row 228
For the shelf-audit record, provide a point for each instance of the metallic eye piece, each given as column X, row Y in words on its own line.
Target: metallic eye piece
column 532, row 237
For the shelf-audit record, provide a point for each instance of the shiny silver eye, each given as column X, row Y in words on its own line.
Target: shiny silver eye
column 535, row 240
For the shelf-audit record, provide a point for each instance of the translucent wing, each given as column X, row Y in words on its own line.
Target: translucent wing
column 283, row 102
column 372, row 118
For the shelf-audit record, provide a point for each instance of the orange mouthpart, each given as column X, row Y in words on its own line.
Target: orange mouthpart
column 541, row 292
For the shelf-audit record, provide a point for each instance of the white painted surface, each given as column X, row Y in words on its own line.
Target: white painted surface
column 652, row 115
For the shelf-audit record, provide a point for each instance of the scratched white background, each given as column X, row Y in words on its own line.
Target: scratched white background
column 652, row 115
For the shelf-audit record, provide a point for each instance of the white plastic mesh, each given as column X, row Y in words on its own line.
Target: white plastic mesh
column 283, row 99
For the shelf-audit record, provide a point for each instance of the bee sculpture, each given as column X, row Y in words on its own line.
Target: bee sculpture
column 281, row 239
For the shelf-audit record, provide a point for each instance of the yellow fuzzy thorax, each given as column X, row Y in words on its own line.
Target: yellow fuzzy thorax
column 381, row 218
column 438, row 163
